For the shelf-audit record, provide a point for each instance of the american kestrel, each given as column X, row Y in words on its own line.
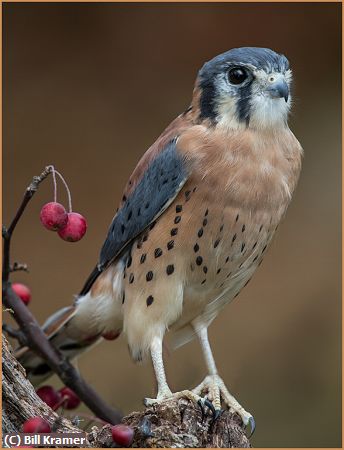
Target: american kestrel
column 195, row 220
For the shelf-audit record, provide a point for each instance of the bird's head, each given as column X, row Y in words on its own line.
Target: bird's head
column 245, row 87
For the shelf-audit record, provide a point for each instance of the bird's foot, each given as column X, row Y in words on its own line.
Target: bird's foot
column 215, row 390
column 167, row 395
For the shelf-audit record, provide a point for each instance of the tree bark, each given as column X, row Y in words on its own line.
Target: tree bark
column 20, row 401
column 174, row 424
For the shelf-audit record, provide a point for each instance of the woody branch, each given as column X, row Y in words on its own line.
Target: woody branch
column 31, row 333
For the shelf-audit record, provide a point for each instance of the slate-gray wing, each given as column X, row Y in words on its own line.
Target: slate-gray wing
column 157, row 188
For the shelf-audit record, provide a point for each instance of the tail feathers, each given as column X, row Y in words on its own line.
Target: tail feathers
column 180, row 337
column 56, row 329
column 77, row 328
column 54, row 323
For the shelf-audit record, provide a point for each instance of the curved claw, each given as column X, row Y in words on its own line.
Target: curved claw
column 216, row 416
column 210, row 406
column 200, row 404
column 252, row 424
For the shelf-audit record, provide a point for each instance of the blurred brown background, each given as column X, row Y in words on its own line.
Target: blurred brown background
column 88, row 87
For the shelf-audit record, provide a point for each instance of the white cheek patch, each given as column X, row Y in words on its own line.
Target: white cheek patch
column 227, row 114
column 226, row 108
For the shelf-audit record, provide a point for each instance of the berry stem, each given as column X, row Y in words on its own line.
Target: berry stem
column 68, row 191
column 55, row 172
column 54, row 181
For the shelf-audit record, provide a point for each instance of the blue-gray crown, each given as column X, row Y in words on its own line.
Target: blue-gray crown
column 261, row 58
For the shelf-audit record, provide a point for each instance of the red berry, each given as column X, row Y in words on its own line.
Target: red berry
column 122, row 435
column 75, row 228
column 69, row 398
column 36, row 425
column 22, row 291
column 111, row 335
column 53, row 216
column 49, row 395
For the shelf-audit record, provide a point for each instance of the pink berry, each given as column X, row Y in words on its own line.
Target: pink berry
column 69, row 398
column 36, row 425
column 75, row 228
column 22, row 291
column 111, row 335
column 53, row 216
column 122, row 435
column 49, row 395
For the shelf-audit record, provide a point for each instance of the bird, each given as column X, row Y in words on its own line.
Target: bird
column 195, row 220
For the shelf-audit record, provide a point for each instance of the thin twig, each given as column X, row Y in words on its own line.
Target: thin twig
column 30, row 191
column 36, row 338
column 17, row 267
column 16, row 334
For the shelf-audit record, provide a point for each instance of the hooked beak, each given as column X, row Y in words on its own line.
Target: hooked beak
column 278, row 89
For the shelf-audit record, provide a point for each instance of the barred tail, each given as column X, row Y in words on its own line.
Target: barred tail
column 56, row 328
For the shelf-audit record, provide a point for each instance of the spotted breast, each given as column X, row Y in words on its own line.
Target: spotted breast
column 198, row 255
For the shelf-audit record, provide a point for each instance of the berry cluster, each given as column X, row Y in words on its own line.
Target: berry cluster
column 65, row 398
column 70, row 226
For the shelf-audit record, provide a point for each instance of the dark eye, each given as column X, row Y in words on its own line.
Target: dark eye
column 237, row 75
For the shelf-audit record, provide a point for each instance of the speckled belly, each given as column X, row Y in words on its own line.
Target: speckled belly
column 224, row 247
column 204, row 247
